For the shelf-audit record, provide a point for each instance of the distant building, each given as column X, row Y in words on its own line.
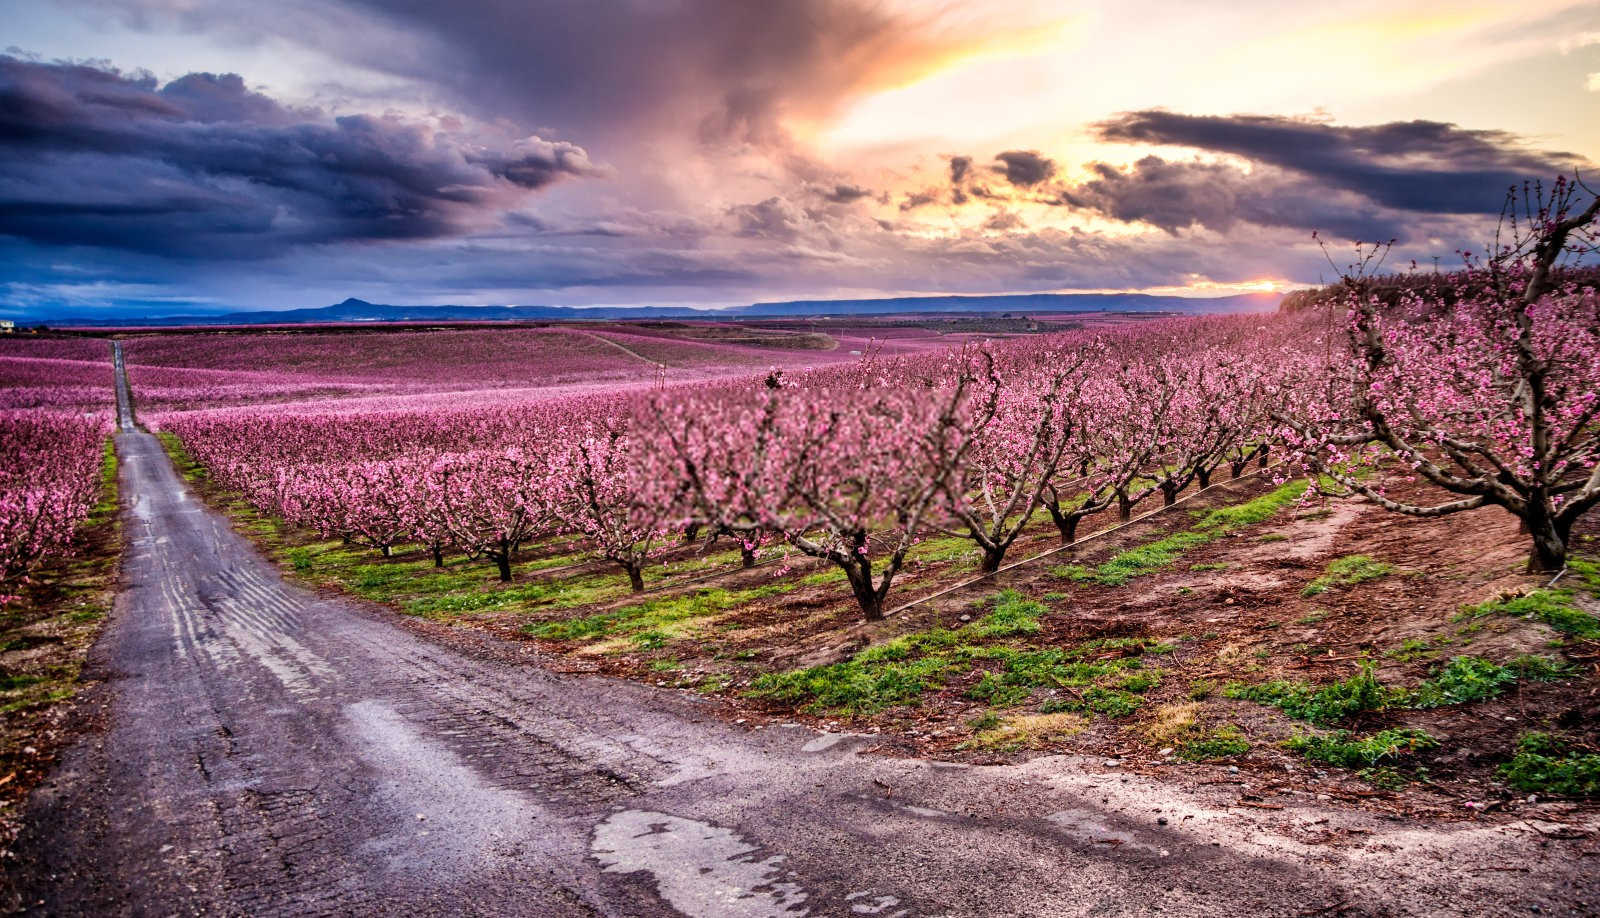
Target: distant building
column 7, row 326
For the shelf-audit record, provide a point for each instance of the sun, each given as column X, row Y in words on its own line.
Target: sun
column 1261, row 286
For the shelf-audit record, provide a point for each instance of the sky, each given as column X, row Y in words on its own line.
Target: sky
column 175, row 156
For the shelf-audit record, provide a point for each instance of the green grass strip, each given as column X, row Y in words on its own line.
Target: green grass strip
column 1212, row 525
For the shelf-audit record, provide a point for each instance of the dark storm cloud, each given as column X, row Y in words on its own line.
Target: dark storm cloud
column 1025, row 167
column 845, row 194
column 1420, row 166
column 1219, row 196
column 204, row 167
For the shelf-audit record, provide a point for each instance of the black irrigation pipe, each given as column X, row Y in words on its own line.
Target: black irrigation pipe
column 787, row 556
column 1074, row 544
column 713, row 575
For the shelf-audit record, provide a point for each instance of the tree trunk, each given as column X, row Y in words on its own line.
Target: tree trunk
column 1169, row 494
column 384, row 550
column 1550, row 540
column 1124, row 506
column 1068, row 527
column 1066, row 523
column 991, row 559
column 747, row 556
column 502, row 560
column 1262, row 462
column 1237, row 467
column 860, row 575
column 438, row 554
column 1203, row 476
column 635, row 578
column 691, row 532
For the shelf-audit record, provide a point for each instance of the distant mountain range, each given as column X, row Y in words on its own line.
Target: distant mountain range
column 1017, row 302
column 354, row 310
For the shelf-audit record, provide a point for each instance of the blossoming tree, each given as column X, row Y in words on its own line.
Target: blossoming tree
column 1489, row 391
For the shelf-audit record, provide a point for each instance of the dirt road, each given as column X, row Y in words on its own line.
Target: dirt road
column 271, row 752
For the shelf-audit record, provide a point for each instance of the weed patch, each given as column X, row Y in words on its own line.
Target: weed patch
column 1467, row 679
column 1463, row 680
column 901, row 670
column 652, row 621
column 1345, row 749
column 1163, row 552
column 1554, row 607
column 1131, row 646
column 1022, row 671
column 855, row 686
column 1415, row 649
column 1385, row 777
column 1347, row 572
column 1142, row 680
column 1014, row 614
column 1222, row 743
column 1111, row 702
column 1320, row 704
column 1546, row 764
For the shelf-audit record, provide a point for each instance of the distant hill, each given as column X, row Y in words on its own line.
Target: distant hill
column 354, row 310
column 1018, row 302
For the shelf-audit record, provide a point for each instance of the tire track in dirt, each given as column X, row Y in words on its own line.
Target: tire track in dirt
column 625, row 349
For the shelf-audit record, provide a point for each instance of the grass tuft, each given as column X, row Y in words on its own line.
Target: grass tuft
column 1554, row 607
column 1346, row 572
column 1023, row 731
column 1014, row 614
column 1222, row 743
column 854, row 686
column 1467, row 679
column 1169, row 723
column 1345, row 749
column 1546, row 764
column 1320, row 704
column 1161, row 553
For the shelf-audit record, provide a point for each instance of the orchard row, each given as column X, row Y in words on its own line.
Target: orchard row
column 49, row 481
column 853, row 464
column 1488, row 390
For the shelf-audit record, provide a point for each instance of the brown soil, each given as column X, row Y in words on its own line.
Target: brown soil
column 1241, row 616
